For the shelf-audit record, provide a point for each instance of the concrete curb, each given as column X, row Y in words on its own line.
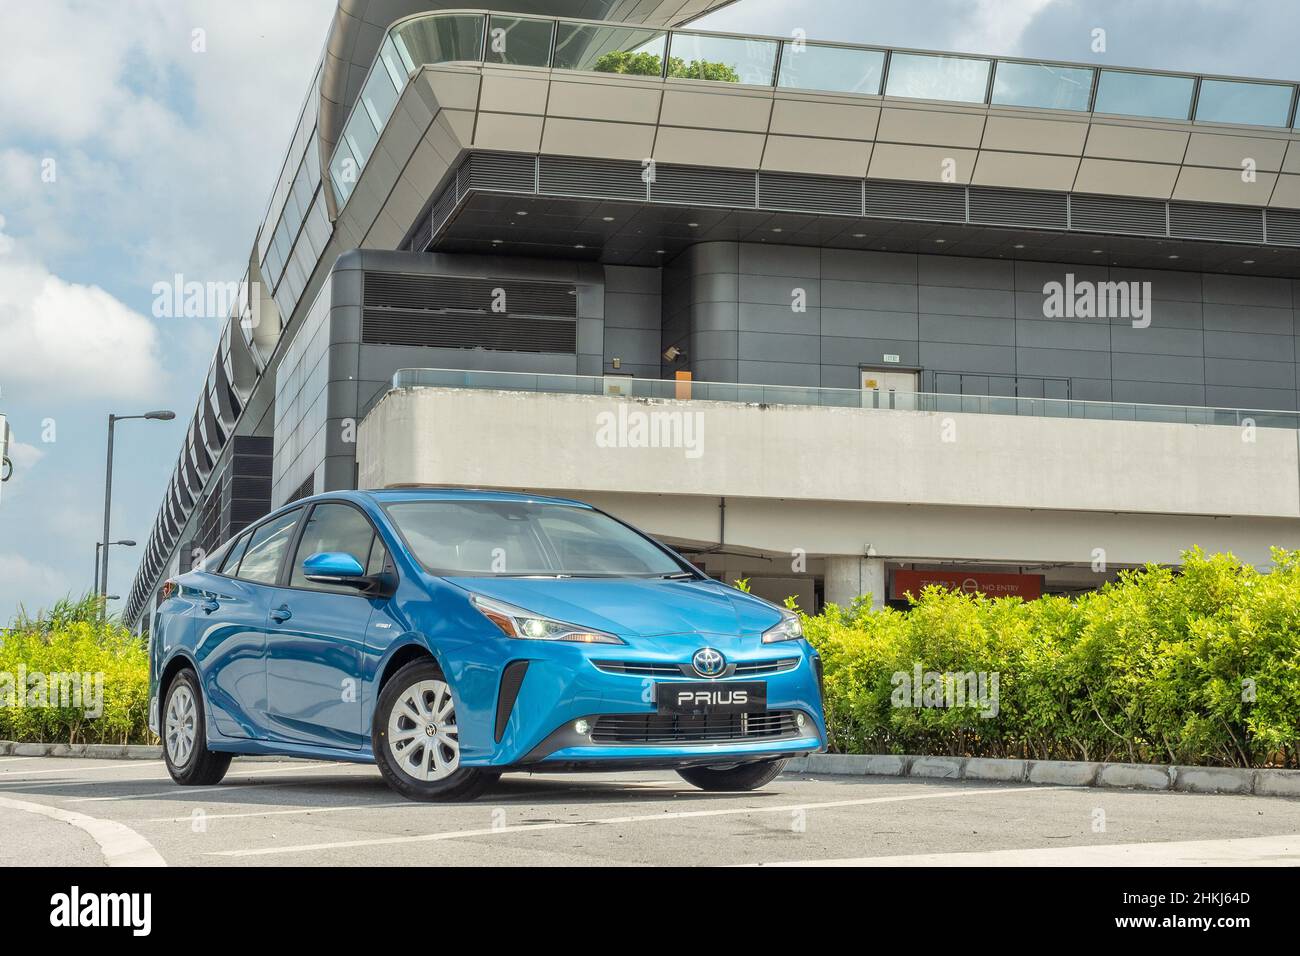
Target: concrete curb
column 1118, row 776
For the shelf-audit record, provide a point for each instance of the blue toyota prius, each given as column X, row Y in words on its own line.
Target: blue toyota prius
column 451, row 635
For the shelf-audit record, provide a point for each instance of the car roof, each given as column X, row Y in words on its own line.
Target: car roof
column 390, row 495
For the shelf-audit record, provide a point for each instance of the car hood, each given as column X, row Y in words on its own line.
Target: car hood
column 635, row 607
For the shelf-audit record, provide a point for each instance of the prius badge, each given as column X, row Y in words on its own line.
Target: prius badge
column 708, row 662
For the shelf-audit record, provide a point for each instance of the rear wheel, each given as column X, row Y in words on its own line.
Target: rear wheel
column 185, row 738
column 748, row 776
column 416, row 739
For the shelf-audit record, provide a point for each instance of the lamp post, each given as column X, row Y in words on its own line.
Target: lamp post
column 160, row 416
column 125, row 542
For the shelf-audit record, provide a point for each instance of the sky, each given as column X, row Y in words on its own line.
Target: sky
column 140, row 140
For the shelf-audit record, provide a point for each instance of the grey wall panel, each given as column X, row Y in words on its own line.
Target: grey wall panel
column 953, row 300
column 1221, row 371
column 882, row 296
column 1158, row 368
column 781, row 373
column 779, row 318
column 869, row 351
column 1158, row 393
column 1049, row 334
column 1250, row 345
column 1238, row 317
column 1062, row 363
column 968, row 329
column 1236, row 396
column 779, row 347
column 1157, row 340
column 869, row 324
column 965, row 273
column 949, row 357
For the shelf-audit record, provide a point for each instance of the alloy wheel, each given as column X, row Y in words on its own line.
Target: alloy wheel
column 423, row 738
column 182, row 725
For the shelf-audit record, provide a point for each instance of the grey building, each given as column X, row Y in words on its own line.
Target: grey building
column 992, row 316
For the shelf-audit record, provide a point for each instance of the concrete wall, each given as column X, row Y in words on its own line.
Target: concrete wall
column 835, row 480
column 977, row 325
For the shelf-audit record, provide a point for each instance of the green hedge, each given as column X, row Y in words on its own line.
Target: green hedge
column 111, row 687
column 1199, row 667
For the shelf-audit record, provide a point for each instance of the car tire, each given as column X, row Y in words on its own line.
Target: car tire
column 417, row 755
column 749, row 776
column 184, row 735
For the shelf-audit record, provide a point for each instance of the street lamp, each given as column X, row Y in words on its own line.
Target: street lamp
column 159, row 416
column 125, row 542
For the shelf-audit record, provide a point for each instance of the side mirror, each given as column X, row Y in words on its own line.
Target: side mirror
column 335, row 567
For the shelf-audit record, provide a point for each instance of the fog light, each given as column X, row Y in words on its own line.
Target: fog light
column 799, row 720
column 582, row 727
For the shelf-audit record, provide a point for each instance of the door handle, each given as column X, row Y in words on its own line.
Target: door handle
column 210, row 605
column 281, row 614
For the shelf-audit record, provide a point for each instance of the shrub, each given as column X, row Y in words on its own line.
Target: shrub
column 38, row 660
column 1197, row 667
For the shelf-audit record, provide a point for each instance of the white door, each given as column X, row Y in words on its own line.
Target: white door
column 890, row 389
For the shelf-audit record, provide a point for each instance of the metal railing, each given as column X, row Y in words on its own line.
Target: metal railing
column 629, row 387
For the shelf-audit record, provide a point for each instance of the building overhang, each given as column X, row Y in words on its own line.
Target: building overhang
column 359, row 27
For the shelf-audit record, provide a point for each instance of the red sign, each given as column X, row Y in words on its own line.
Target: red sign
column 1027, row 586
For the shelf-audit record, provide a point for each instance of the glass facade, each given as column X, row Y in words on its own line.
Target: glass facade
column 1042, row 85
column 957, row 79
column 582, row 46
column 519, row 41
column 699, row 56
column 831, row 69
column 1144, row 94
column 1248, row 104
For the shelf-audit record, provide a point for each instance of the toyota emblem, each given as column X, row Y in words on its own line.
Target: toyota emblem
column 708, row 662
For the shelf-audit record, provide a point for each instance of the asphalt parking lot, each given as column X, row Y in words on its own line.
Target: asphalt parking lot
column 65, row 811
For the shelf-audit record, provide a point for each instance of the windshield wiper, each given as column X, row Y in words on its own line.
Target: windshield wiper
column 677, row 576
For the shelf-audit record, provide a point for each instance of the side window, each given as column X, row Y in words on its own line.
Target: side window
column 266, row 548
column 332, row 527
column 236, row 551
column 378, row 558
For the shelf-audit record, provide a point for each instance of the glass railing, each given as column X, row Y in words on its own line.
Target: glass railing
column 627, row 386
column 791, row 64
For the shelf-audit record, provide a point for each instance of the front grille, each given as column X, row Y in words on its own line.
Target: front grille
column 639, row 668
column 654, row 669
column 751, row 668
column 711, row 728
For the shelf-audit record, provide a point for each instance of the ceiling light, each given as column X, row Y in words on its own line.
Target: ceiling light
column 1174, row 256
column 693, row 225
column 579, row 246
column 1020, row 245
column 607, row 218
column 522, row 212
column 940, row 241
column 778, row 229
column 1247, row 262
column 859, row 235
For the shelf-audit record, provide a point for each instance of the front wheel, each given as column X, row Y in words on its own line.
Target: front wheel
column 416, row 739
column 749, row 776
column 185, row 739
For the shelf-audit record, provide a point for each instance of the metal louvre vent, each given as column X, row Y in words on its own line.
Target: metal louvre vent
column 1283, row 226
column 1133, row 217
column 1018, row 207
column 892, row 199
column 667, row 728
column 461, row 330
column 704, row 186
column 461, row 293
column 514, row 172
column 602, row 178
column 788, row 191
column 1204, row 221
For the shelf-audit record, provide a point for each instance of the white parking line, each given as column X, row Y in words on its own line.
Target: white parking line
column 618, row 821
column 133, row 765
column 189, row 817
column 1242, row 851
column 179, row 790
column 120, row 845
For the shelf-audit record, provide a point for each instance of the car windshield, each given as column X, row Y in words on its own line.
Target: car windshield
column 518, row 538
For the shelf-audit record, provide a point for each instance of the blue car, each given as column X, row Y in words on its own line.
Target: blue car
column 452, row 635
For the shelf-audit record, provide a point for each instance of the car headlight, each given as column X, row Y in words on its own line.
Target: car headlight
column 789, row 629
column 527, row 626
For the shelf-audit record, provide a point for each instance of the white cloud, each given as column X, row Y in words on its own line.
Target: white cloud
column 30, row 583
column 64, row 340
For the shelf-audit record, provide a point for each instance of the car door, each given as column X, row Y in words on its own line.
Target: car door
column 238, row 602
column 316, row 637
